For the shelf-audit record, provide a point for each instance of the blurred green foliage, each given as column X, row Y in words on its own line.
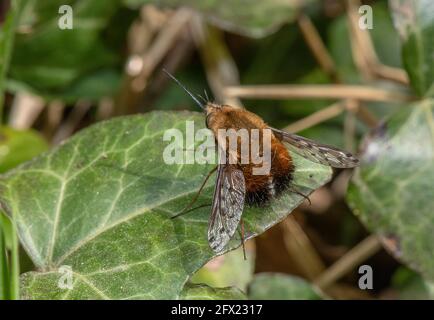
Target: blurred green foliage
column 17, row 146
column 82, row 63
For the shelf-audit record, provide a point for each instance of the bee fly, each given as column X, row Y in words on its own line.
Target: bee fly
column 236, row 184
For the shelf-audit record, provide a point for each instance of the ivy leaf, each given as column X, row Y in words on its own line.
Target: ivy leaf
column 276, row 286
column 17, row 146
column 255, row 19
column 391, row 191
column 414, row 20
column 204, row 292
column 100, row 204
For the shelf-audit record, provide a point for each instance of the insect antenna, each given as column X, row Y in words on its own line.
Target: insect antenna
column 185, row 89
column 202, row 98
column 206, row 99
column 206, row 95
column 242, row 239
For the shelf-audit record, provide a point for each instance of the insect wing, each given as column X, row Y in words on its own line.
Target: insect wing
column 317, row 152
column 227, row 206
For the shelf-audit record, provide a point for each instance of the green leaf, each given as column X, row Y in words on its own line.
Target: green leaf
column 392, row 190
column 50, row 60
column 410, row 285
column 255, row 19
column 17, row 146
column 204, row 292
column 414, row 20
column 275, row 286
column 228, row 270
column 98, row 84
column 101, row 203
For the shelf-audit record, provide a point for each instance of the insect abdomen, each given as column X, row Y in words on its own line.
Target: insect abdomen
column 261, row 188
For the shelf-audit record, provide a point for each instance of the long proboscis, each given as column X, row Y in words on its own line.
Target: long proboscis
column 185, row 89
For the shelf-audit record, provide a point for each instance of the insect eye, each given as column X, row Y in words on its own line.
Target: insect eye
column 207, row 120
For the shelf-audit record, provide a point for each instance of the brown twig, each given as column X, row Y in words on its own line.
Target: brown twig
column 72, row 121
column 363, row 50
column 350, row 129
column 365, row 249
column 317, row 46
column 301, row 250
column 26, row 108
column 105, row 108
column 316, row 118
column 174, row 59
column 160, row 46
column 145, row 58
column 326, row 62
column 299, row 246
column 54, row 117
column 339, row 184
column 328, row 91
column 367, row 117
column 390, row 73
column 361, row 44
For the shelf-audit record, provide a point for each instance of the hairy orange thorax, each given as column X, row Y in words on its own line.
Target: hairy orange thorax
column 259, row 187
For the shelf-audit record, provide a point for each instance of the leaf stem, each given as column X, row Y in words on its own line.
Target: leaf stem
column 15, row 265
column 4, row 274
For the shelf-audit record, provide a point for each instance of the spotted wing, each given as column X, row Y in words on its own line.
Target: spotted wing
column 227, row 206
column 317, row 152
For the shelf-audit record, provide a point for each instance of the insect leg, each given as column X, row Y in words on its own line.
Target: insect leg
column 185, row 210
column 242, row 238
column 190, row 210
column 292, row 189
